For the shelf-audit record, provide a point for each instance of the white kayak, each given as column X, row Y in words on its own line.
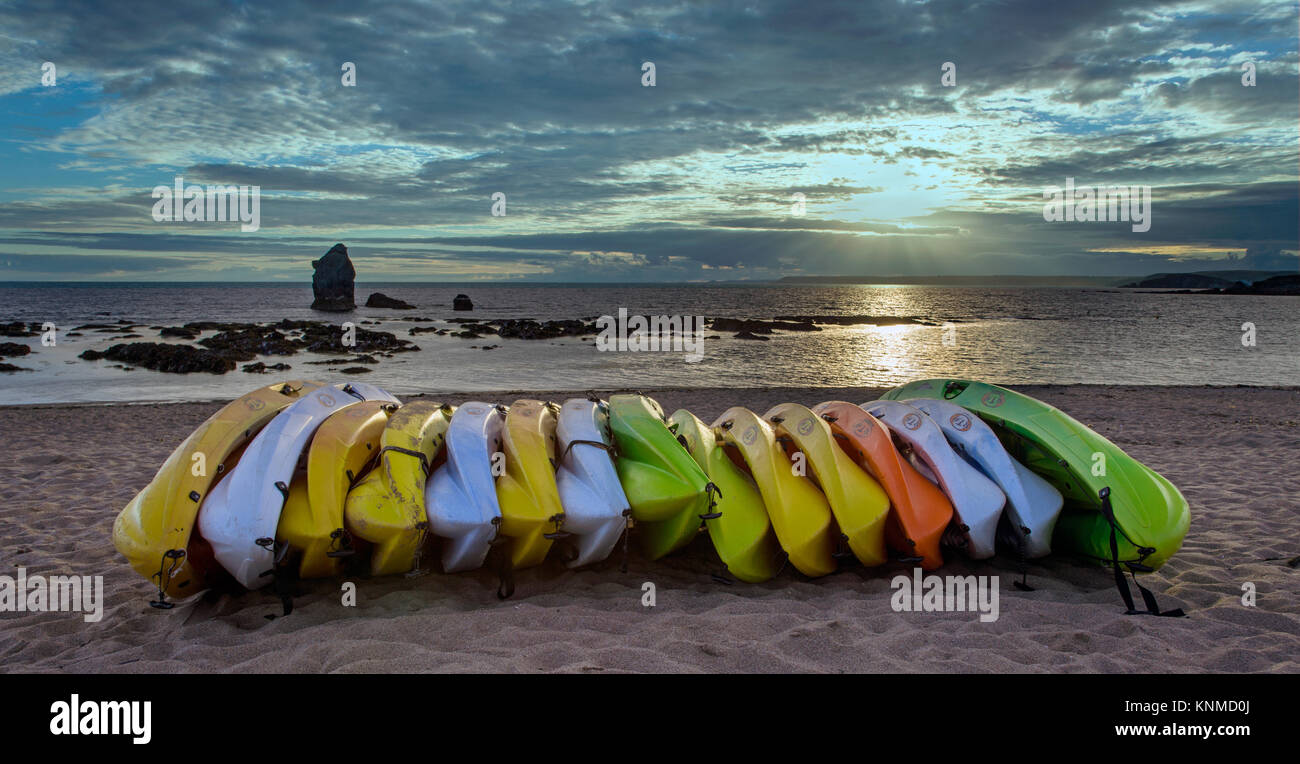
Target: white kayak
column 461, row 497
column 241, row 513
column 1033, row 504
column 977, row 501
column 595, row 507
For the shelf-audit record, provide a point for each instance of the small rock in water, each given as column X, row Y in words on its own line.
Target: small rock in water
column 11, row 349
column 381, row 300
column 261, row 368
column 462, row 302
column 11, row 367
column 355, row 370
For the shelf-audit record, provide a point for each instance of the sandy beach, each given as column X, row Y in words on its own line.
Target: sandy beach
column 1232, row 452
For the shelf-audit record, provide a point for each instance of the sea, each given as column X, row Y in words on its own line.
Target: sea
column 1019, row 335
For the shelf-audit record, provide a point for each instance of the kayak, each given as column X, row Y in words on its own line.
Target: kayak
column 386, row 508
column 1150, row 516
column 461, row 497
column 1032, row 503
column 919, row 511
column 531, row 514
column 240, row 516
column 800, row 514
column 346, row 443
column 859, row 504
column 976, row 500
column 738, row 524
column 596, row 511
column 667, row 490
column 153, row 532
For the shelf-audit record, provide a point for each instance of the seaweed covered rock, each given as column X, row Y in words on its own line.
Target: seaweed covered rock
column 165, row 357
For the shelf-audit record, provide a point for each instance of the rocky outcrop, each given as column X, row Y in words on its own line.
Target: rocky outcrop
column 11, row 349
column 462, row 302
column 756, row 326
column 1289, row 284
column 165, row 357
column 381, row 300
column 527, row 329
column 1177, row 281
column 19, row 329
column 334, row 280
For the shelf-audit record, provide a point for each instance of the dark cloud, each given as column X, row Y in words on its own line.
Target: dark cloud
column 754, row 101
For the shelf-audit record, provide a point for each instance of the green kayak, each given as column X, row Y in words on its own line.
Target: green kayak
column 1151, row 516
column 667, row 490
column 738, row 525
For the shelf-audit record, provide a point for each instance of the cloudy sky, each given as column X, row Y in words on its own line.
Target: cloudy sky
column 606, row 179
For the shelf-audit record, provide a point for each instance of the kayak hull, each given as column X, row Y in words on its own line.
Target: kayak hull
column 596, row 510
column 531, row 512
column 386, row 508
column 461, row 497
column 665, row 488
column 742, row 533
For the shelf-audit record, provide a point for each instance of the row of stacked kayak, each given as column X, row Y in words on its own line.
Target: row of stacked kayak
column 301, row 479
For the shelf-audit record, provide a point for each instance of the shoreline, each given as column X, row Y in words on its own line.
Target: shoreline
column 558, row 393
column 75, row 467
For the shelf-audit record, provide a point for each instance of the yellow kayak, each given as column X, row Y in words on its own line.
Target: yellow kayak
column 860, row 505
column 153, row 531
column 387, row 507
column 800, row 513
column 531, row 514
column 340, row 450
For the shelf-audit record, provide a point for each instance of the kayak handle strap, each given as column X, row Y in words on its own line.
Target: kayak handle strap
column 1148, row 598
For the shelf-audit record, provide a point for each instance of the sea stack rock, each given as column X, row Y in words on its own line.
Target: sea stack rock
column 333, row 281
column 462, row 303
column 381, row 300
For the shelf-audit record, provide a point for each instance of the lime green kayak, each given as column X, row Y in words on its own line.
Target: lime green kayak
column 738, row 525
column 1151, row 516
column 666, row 489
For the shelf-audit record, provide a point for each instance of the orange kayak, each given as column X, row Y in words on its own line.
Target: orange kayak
column 919, row 511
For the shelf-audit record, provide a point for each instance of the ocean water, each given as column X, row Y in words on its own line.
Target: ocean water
column 1009, row 336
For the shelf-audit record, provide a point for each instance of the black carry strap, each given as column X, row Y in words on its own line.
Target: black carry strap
column 163, row 576
column 596, row 443
column 714, row 493
column 281, row 580
column 340, row 544
column 627, row 534
column 424, row 460
column 423, row 527
column 1148, row 598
